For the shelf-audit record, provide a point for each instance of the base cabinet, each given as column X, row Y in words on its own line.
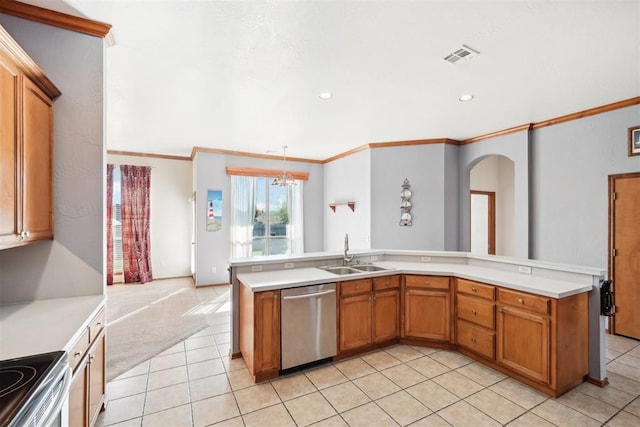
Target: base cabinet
column 260, row 332
column 427, row 308
column 368, row 312
column 523, row 343
column 539, row 340
column 88, row 385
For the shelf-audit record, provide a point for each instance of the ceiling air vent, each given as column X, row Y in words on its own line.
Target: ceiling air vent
column 465, row 52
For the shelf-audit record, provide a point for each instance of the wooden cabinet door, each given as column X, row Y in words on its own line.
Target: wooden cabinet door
column 386, row 319
column 96, row 393
column 37, row 191
column 78, row 404
column 427, row 314
column 355, row 321
column 267, row 331
column 10, row 224
column 523, row 343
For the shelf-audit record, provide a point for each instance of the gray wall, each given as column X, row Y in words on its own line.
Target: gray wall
column 425, row 166
column 212, row 248
column 348, row 179
column 71, row 264
column 571, row 163
column 515, row 147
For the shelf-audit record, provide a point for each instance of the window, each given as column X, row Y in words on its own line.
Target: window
column 265, row 219
column 116, row 224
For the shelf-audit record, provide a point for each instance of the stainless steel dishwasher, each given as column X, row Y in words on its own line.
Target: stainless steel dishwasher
column 308, row 324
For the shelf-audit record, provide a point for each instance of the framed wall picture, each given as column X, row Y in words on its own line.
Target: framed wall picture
column 214, row 210
column 634, row 141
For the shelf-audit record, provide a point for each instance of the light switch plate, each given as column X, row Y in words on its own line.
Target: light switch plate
column 256, row 268
column 288, row 265
column 425, row 259
column 374, row 257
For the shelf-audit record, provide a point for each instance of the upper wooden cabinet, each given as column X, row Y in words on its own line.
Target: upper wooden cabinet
column 26, row 141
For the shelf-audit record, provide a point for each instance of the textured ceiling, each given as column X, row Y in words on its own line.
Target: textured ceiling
column 246, row 76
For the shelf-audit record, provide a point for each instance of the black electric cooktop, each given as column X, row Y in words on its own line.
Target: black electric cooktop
column 23, row 378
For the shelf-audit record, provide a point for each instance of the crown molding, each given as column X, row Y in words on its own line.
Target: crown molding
column 147, row 155
column 54, row 18
column 196, row 150
column 30, row 69
column 589, row 112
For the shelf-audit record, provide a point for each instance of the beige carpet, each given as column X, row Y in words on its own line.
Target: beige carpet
column 144, row 320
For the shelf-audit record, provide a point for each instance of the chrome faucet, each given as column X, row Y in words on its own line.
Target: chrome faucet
column 347, row 258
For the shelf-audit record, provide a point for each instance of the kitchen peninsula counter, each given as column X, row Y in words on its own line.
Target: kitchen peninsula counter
column 557, row 281
column 282, row 279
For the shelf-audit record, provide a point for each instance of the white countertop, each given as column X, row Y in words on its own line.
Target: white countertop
column 46, row 325
column 281, row 279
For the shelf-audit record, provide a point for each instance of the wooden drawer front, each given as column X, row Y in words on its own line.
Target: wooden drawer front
column 477, row 289
column 97, row 324
column 355, row 286
column 535, row 303
column 427, row 282
column 79, row 349
column 477, row 340
column 389, row 282
column 477, row 311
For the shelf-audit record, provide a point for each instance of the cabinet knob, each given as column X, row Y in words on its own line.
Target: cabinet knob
column 387, row 283
column 499, row 310
column 25, row 234
column 275, row 296
column 473, row 311
column 520, row 301
column 426, row 283
column 91, row 357
column 474, row 290
column 357, row 287
column 473, row 339
column 77, row 354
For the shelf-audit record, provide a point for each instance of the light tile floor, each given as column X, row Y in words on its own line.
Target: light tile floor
column 194, row 383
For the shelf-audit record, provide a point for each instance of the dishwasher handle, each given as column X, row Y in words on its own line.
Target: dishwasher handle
column 313, row 295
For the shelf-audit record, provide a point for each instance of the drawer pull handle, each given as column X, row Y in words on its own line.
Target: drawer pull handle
column 76, row 354
column 473, row 339
column 520, row 301
column 474, row 290
column 473, row 311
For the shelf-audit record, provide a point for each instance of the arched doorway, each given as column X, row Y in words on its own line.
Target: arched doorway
column 491, row 184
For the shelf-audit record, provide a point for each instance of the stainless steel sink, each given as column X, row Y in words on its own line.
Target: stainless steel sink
column 340, row 270
column 368, row 267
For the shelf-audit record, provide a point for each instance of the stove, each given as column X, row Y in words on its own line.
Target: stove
column 33, row 389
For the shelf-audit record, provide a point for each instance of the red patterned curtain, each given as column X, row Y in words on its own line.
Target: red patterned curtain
column 109, row 224
column 136, row 238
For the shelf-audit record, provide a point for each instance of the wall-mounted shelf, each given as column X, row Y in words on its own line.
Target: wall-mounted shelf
column 352, row 205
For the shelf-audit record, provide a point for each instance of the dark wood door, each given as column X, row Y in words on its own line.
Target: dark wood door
column 625, row 252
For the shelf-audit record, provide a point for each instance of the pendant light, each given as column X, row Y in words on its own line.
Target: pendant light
column 284, row 179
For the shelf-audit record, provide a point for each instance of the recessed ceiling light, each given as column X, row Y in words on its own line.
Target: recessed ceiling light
column 326, row 95
column 466, row 97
